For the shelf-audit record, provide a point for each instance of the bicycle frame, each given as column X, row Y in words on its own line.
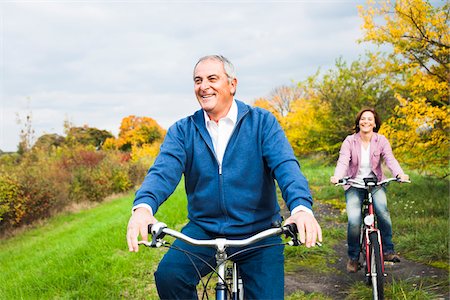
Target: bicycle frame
column 159, row 230
column 369, row 226
column 371, row 245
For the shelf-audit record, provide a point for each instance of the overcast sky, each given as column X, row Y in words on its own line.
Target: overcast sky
column 96, row 62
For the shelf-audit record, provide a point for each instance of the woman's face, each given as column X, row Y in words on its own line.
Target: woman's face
column 367, row 122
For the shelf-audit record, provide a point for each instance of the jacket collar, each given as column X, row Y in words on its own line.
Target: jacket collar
column 374, row 138
column 199, row 121
column 199, row 118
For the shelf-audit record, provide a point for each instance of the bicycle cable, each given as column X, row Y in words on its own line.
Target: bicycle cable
column 213, row 269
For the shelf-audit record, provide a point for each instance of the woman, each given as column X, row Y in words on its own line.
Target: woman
column 360, row 157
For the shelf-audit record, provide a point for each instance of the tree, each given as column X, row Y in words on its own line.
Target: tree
column 137, row 131
column 417, row 31
column 49, row 140
column 87, row 136
column 26, row 134
column 418, row 72
column 282, row 97
column 340, row 94
column 302, row 126
column 267, row 105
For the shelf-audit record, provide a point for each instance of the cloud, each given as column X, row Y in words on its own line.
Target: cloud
column 95, row 63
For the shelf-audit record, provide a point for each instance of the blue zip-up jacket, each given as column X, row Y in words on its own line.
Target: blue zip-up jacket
column 240, row 199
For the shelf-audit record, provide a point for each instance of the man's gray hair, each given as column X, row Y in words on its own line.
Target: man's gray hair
column 227, row 65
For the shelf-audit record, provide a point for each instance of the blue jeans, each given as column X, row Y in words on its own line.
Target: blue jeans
column 262, row 270
column 354, row 198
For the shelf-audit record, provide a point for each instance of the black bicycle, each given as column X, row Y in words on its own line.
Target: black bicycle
column 371, row 247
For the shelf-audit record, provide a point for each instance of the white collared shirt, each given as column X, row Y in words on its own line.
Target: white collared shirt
column 221, row 131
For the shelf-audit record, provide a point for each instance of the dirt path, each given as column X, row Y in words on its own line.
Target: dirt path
column 336, row 284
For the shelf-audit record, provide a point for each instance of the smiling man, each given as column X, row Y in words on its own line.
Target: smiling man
column 230, row 153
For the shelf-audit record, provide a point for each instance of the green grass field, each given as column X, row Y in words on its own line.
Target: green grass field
column 84, row 255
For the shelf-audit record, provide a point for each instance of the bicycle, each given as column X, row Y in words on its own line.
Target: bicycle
column 229, row 282
column 371, row 247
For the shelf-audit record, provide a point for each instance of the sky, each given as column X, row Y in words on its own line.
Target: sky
column 95, row 62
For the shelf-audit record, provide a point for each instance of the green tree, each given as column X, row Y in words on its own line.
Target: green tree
column 49, row 140
column 87, row 136
column 340, row 94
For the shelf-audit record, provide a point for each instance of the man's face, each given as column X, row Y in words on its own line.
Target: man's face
column 213, row 90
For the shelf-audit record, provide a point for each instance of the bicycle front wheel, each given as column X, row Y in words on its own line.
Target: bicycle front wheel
column 376, row 269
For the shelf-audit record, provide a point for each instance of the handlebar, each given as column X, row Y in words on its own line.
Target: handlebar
column 159, row 230
column 370, row 181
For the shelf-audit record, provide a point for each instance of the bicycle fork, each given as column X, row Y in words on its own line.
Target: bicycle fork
column 237, row 291
column 221, row 288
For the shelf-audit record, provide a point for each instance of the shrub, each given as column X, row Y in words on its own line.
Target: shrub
column 11, row 200
column 44, row 184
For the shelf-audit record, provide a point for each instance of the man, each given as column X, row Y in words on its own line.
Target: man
column 230, row 154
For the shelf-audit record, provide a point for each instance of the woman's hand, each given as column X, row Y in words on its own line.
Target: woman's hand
column 334, row 180
column 403, row 177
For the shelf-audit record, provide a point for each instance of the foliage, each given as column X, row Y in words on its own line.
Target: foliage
column 11, row 199
column 417, row 31
column 45, row 181
column 418, row 72
column 345, row 91
column 87, row 136
column 420, row 134
column 137, row 131
column 58, row 171
column 48, row 141
column 302, row 127
column 267, row 105
column 146, row 154
column 324, row 115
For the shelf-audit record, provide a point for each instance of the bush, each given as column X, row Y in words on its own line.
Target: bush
column 44, row 184
column 44, row 181
column 11, row 201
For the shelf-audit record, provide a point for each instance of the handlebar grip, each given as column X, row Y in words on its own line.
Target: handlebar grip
column 292, row 227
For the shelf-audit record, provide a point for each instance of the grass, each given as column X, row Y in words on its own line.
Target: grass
column 83, row 255
column 420, row 217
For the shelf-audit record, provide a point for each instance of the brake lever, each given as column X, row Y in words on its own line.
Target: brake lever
column 156, row 230
column 291, row 231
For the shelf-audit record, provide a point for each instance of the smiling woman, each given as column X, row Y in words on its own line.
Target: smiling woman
column 360, row 158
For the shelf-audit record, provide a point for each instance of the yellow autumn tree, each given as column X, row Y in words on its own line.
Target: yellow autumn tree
column 267, row 105
column 302, row 127
column 417, row 70
column 140, row 136
column 137, row 131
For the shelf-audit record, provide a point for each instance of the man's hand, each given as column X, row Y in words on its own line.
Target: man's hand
column 138, row 224
column 308, row 228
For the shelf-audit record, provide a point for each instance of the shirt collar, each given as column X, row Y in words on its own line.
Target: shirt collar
column 232, row 114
